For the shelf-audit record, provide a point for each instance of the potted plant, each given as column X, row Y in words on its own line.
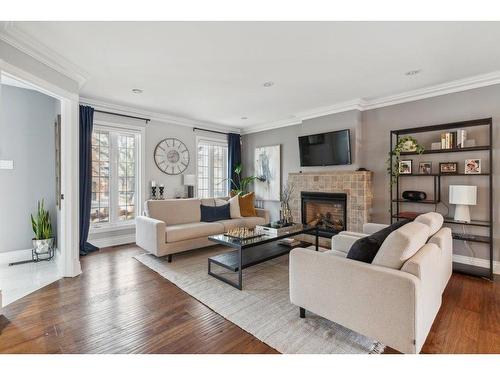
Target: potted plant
column 405, row 144
column 43, row 242
column 240, row 185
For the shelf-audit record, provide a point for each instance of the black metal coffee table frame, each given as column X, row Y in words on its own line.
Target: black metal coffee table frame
column 251, row 252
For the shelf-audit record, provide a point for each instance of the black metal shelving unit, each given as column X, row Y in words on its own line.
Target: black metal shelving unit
column 397, row 200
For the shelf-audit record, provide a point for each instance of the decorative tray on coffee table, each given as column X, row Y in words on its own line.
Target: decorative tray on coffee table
column 242, row 233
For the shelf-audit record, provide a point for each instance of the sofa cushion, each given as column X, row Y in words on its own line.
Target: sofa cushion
column 231, row 224
column 174, row 211
column 367, row 247
column 247, row 206
column 433, row 220
column 248, row 222
column 180, row 232
column 401, row 245
column 234, row 207
column 215, row 213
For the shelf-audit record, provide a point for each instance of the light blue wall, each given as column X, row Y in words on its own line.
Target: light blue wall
column 27, row 137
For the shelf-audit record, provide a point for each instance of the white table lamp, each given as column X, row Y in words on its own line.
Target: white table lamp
column 463, row 196
column 190, row 182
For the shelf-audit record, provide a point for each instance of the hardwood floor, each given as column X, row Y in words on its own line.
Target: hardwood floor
column 120, row 306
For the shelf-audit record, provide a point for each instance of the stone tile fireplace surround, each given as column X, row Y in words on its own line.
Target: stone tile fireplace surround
column 357, row 186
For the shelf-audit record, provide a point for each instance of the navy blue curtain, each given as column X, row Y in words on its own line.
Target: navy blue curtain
column 86, row 124
column 234, row 155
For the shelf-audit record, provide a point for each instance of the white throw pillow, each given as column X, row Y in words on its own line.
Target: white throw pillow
column 234, row 207
column 433, row 220
column 401, row 245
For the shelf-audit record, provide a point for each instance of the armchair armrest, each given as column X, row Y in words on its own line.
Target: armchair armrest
column 375, row 301
column 150, row 234
column 263, row 213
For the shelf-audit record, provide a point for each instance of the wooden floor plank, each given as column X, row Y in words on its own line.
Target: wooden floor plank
column 120, row 306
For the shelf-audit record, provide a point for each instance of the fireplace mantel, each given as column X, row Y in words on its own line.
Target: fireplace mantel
column 356, row 184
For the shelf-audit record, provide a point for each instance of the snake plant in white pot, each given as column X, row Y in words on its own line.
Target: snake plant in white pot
column 43, row 242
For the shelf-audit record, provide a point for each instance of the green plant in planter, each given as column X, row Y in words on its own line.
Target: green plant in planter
column 240, row 184
column 41, row 224
column 405, row 144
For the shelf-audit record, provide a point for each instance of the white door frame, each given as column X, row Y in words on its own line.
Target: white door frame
column 67, row 259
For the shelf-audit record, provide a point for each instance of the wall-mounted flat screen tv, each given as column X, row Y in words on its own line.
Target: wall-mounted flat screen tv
column 333, row 148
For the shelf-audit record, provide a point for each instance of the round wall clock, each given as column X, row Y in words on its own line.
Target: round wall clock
column 171, row 156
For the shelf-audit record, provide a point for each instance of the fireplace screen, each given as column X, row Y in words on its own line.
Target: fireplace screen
column 327, row 211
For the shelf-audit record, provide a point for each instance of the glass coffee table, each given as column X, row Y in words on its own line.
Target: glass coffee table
column 249, row 252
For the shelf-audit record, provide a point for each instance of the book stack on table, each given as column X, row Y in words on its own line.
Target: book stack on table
column 290, row 242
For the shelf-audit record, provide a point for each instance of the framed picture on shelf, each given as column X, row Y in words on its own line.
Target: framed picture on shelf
column 448, row 168
column 472, row 166
column 405, row 166
column 425, row 167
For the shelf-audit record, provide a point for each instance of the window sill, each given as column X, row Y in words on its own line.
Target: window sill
column 112, row 227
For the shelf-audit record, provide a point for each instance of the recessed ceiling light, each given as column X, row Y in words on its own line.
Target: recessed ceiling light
column 137, row 91
column 268, row 84
column 413, row 72
column 244, row 118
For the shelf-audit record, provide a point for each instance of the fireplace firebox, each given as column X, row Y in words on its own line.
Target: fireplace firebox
column 327, row 211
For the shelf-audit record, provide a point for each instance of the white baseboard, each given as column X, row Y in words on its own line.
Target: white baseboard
column 113, row 240
column 477, row 262
column 15, row 256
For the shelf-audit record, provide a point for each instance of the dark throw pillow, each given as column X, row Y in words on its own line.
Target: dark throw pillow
column 216, row 213
column 367, row 247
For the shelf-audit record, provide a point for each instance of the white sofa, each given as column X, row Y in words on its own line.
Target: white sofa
column 174, row 225
column 395, row 298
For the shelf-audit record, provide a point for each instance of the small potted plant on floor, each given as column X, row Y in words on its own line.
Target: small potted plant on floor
column 43, row 242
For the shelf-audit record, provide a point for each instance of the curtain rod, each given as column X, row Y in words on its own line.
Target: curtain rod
column 208, row 130
column 119, row 114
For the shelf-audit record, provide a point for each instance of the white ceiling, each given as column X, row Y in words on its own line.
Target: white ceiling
column 214, row 71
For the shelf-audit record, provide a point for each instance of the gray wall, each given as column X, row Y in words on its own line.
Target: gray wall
column 478, row 103
column 27, row 137
column 155, row 132
column 372, row 138
column 287, row 138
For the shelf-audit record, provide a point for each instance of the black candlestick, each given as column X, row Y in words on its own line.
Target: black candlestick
column 162, row 188
column 153, row 192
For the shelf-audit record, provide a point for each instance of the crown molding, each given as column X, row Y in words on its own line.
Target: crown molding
column 12, row 35
column 451, row 87
column 271, row 125
column 155, row 116
column 353, row 105
column 364, row 104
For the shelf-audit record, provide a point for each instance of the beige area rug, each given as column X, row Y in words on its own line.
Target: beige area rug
column 263, row 307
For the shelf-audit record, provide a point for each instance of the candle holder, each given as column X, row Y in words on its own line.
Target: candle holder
column 153, row 192
column 162, row 188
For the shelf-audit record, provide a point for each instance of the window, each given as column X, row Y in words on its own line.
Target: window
column 115, row 176
column 212, row 168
